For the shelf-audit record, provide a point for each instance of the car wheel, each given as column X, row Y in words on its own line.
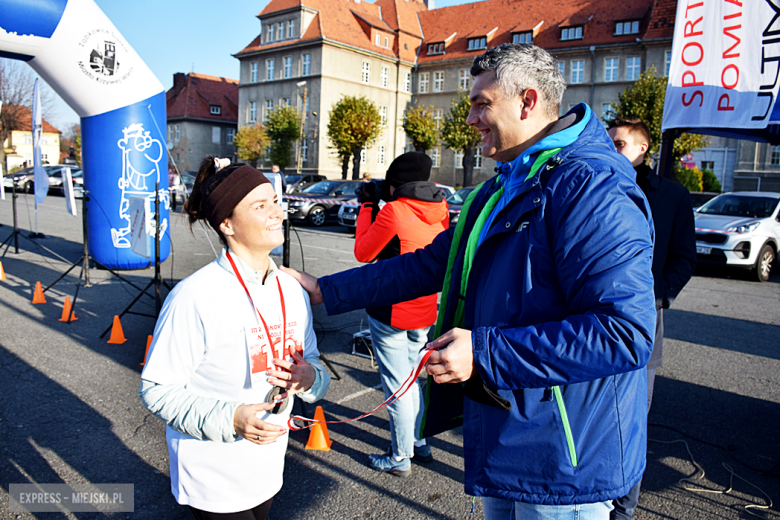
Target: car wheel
column 766, row 258
column 29, row 187
column 317, row 216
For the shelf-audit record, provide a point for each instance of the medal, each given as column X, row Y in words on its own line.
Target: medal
column 281, row 406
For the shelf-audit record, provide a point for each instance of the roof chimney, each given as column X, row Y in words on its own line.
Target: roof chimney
column 430, row 4
column 179, row 82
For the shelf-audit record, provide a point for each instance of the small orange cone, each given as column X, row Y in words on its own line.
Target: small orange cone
column 66, row 311
column 38, row 296
column 148, row 344
column 117, row 335
column 2, row 273
column 318, row 438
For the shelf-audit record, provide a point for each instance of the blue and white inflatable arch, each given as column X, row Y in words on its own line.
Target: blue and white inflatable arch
column 74, row 46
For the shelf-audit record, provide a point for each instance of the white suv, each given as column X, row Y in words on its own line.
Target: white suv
column 740, row 229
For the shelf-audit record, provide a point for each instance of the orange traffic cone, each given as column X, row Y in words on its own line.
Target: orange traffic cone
column 66, row 311
column 318, row 438
column 117, row 335
column 2, row 273
column 38, row 296
column 148, row 344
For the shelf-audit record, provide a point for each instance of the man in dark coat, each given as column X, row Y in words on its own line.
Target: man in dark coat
column 674, row 255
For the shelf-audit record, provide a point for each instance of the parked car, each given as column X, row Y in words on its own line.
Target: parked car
column 700, row 198
column 455, row 203
column 182, row 186
column 56, row 180
column 296, row 183
column 348, row 214
column 740, row 229
column 319, row 202
column 23, row 179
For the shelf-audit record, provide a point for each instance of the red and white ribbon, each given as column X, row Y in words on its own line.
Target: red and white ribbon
column 422, row 359
column 324, row 201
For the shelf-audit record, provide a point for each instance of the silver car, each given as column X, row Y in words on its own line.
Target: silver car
column 739, row 229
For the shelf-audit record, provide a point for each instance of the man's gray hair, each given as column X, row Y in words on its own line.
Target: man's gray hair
column 518, row 67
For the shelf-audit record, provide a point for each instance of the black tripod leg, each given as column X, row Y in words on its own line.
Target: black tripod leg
column 131, row 305
column 123, row 279
column 76, row 296
column 327, row 363
column 63, row 275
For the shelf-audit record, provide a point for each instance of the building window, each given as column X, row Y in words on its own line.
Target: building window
column 252, row 111
column 477, row 43
column 269, row 107
column 291, row 29
column 253, row 73
column 215, row 110
column 775, row 161
column 710, row 165
column 385, row 75
column 523, row 37
column 408, row 82
column 270, row 36
column 366, row 72
column 380, row 158
column 611, row 69
column 438, row 81
column 387, row 41
column 458, row 160
column 631, row 27
column 562, row 68
column 577, row 71
column 178, row 134
column 633, row 66
column 377, row 39
column 363, row 156
column 435, row 48
column 280, row 31
column 170, row 135
column 216, row 135
column 383, row 116
column 438, row 117
column 464, row 79
column 287, row 66
column 269, row 69
column 436, row 157
column 284, row 102
column 306, row 65
column 424, row 80
column 478, row 159
column 607, row 113
column 571, row 33
column 667, row 63
column 231, row 135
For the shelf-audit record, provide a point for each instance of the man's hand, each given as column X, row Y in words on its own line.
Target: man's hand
column 308, row 282
column 453, row 362
column 254, row 430
column 294, row 377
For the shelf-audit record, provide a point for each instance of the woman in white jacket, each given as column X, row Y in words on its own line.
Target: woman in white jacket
column 233, row 343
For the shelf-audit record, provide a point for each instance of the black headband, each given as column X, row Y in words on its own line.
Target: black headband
column 225, row 197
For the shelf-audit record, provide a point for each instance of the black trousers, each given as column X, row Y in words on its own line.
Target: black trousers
column 256, row 513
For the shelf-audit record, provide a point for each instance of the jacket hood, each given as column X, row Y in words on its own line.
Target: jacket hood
column 425, row 199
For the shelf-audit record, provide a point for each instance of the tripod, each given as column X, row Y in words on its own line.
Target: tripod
column 157, row 280
column 84, row 261
column 15, row 234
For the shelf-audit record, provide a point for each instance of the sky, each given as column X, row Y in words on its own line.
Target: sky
column 184, row 36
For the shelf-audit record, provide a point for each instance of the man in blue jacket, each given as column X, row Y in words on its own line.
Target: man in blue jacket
column 547, row 301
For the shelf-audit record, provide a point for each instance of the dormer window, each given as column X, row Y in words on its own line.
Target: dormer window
column 523, row 37
column 571, row 33
column 629, row 27
column 435, row 48
column 477, row 43
column 215, row 109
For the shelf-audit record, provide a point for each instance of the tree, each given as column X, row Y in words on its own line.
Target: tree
column 354, row 124
column 420, row 127
column 283, row 128
column 691, row 178
column 16, row 92
column 251, row 142
column 459, row 136
column 709, row 182
column 70, row 142
column 645, row 100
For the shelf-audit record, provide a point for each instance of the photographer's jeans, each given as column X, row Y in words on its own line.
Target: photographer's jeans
column 499, row 509
column 396, row 352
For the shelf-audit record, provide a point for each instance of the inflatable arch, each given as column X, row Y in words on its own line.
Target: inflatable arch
column 74, row 46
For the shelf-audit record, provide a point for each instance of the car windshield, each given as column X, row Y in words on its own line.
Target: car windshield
column 292, row 179
column 740, row 206
column 187, row 178
column 459, row 197
column 322, row 187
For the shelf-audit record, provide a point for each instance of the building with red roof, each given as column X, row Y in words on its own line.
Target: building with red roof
column 202, row 118
column 19, row 145
column 401, row 52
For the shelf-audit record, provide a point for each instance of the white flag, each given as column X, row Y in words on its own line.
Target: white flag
column 67, row 190
column 41, row 179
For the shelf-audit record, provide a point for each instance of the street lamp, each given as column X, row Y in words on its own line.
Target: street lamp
column 303, row 120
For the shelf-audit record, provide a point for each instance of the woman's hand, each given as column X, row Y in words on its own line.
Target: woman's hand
column 295, row 377
column 251, row 428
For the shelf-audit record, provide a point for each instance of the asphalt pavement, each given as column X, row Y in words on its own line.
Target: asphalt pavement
column 71, row 414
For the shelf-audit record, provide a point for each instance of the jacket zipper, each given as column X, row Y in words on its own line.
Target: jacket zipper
column 566, row 426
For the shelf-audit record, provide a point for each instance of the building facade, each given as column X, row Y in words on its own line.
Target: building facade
column 19, row 145
column 202, row 119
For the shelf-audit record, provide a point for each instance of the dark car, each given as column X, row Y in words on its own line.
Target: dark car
column 319, row 202
column 455, row 203
column 56, row 182
column 297, row 183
